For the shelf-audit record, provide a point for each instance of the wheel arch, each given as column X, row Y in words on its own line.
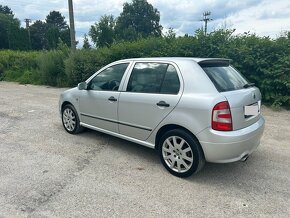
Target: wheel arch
column 169, row 127
column 64, row 104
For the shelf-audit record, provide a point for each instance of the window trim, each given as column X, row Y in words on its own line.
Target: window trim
column 180, row 78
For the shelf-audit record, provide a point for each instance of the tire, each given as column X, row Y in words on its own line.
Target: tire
column 70, row 120
column 180, row 153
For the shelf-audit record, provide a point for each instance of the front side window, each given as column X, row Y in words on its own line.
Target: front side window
column 109, row 79
column 154, row 78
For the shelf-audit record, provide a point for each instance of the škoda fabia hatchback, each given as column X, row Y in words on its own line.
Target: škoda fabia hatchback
column 190, row 110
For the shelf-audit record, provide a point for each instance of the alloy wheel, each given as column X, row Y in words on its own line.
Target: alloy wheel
column 69, row 119
column 177, row 154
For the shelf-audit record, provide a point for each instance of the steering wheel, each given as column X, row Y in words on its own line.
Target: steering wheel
column 114, row 84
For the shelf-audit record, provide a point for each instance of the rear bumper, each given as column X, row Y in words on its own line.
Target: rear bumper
column 224, row 147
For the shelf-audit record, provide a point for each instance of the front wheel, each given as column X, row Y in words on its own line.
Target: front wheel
column 180, row 153
column 70, row 120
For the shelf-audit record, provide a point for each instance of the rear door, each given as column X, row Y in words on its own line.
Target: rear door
column 152, row 91
column 244, row 98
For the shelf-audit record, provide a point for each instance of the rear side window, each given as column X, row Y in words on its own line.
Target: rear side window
column 154, row 78
column 225, row 78
column 170, row 84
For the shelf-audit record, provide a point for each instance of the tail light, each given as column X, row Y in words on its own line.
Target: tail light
column 221, row 117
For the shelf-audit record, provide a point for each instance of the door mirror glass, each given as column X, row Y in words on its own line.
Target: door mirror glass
column 82, row 86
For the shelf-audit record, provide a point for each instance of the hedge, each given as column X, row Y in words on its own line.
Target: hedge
column 263, row 60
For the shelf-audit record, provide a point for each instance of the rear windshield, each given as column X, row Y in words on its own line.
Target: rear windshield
column 225, row 78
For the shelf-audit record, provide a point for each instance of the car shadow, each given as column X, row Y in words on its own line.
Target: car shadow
column 123, row 146
column 211, row 174
column 244, row 176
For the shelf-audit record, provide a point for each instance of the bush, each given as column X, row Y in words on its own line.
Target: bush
column 1, row 72
column 51, row 68
column 30, row 77
column 18, row 60
column 13, row 64
column 81, row 64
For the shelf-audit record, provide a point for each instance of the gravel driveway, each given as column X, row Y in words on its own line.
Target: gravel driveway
column 46, row 172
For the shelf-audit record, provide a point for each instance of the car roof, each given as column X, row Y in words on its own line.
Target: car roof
column 173, row 59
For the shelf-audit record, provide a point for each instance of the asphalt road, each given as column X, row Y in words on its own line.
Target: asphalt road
column 46, row 172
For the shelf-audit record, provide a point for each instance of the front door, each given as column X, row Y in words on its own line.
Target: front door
column 99, row 103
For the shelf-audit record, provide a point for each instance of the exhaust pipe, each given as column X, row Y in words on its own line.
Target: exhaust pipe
column 245, row 158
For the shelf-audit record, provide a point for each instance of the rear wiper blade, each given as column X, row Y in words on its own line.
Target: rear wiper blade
column 248, row 85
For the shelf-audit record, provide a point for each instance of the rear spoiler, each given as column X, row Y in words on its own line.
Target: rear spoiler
column 215, row 62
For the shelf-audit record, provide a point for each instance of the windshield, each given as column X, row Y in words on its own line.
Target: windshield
column 225, row 78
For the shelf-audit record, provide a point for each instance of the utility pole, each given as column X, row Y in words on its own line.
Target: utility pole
column 72, row 25
column 206, row 19
column 8, row 36
column 27, row 22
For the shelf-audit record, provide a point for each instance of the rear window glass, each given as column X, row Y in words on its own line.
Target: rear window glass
column 225, row 78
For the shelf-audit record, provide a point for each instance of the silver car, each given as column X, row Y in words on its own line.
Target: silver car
column 190, row 110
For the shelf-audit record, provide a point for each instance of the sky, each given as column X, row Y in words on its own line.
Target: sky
column 263, row 17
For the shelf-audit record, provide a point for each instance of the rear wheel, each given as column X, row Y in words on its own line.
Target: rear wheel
column 180, row 153
column 70, row 120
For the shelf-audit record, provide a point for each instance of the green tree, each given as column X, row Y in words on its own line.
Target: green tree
column 102, row 33
column 140, row 19
column 38, row 32
column 6, row 10
column 128, row 34
column 57, row 29
column 65, row 36
column 55, row 19
column 86, row 44
column 170, row 34
column 12, row 36
column 5, row 23
column 19, row 38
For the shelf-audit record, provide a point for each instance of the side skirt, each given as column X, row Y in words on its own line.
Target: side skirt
column 137, row 141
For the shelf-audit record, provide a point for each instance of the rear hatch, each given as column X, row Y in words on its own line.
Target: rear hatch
column 243, row 97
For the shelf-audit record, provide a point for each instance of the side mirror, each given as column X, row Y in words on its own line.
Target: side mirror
column 82, row 86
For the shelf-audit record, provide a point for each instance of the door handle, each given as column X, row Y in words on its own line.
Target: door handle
column 162, row 104
column 112, row 98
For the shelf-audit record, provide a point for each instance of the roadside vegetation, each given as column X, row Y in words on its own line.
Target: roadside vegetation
column 263, row 60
